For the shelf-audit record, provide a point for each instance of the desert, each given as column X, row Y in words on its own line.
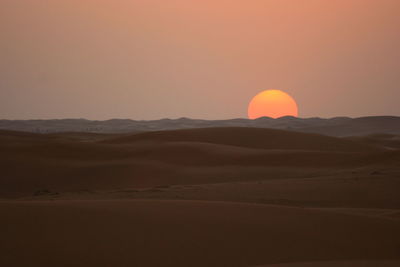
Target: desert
column 188, row 133
column 199, row 197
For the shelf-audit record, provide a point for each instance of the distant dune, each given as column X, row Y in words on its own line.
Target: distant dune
column 340, row 126
column 383, row 140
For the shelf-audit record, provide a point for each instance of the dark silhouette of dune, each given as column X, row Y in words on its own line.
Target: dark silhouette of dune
column 339, row 126
column 359, row 126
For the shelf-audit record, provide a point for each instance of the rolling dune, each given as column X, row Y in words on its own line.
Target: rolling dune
column 199, row 197
column 32, row 162
column 258, row 138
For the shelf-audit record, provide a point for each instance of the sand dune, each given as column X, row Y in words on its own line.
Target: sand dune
column 186, row 233
column 384, row 140
column 248, row 137
column 200, row 197
column 339, row 126
column 358, row 126
column 33, row 162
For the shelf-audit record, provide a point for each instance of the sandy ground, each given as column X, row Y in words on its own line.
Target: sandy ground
column 182, row 233
column 204, row 197
column 372, row 263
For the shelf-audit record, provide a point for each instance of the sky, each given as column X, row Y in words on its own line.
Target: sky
column 153, row 59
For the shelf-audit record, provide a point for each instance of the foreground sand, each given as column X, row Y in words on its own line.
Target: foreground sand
column 204, row 197
column 186, row 233
column 370, row 263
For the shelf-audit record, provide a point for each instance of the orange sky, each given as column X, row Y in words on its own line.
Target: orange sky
column 152, row 59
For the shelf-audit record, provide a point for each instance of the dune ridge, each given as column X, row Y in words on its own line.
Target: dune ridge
column 338, row 126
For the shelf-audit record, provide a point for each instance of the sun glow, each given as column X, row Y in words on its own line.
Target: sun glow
column 272, row 103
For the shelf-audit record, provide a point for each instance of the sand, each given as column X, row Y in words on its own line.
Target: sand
column 203, row 197
column 372, row 263
column 182, row 233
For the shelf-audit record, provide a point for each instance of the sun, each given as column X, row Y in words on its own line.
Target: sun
column 272, row 103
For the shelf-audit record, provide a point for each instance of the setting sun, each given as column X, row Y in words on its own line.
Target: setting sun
column 272, row 103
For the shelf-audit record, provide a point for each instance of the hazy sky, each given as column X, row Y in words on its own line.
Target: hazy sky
column 150, row 59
